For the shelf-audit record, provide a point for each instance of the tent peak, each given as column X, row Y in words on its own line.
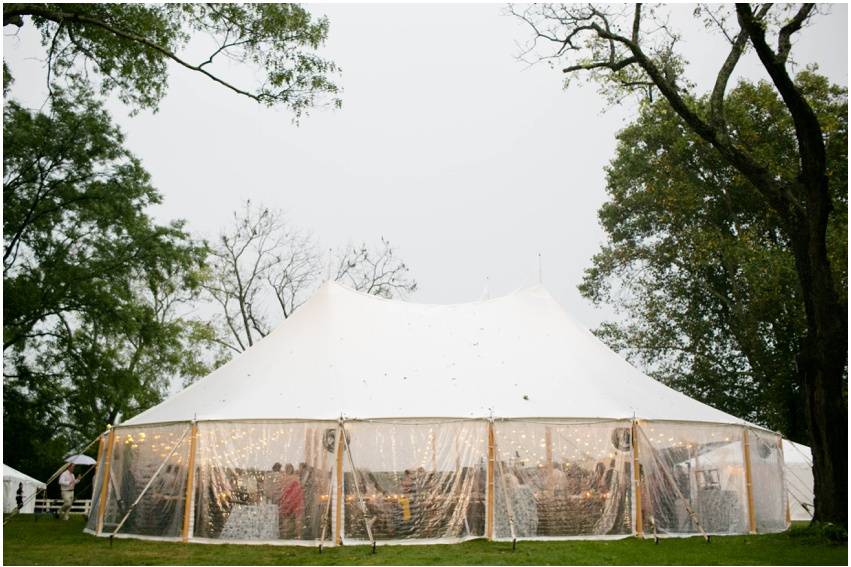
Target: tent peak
column 536, row 289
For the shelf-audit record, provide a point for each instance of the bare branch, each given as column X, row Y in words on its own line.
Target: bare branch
column 716, row 99
column 784, row 40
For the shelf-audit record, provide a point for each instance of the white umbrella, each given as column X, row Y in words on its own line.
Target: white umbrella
column 80, row 460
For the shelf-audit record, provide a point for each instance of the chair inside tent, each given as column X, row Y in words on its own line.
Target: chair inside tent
column 366, row 420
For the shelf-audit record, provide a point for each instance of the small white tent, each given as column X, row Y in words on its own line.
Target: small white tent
column 799, row 479
column 395, row 421
column 11, row 480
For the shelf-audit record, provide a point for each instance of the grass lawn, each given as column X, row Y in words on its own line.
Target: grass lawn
column 50, row 542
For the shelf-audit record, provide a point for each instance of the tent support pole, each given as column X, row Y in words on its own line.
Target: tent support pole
column 636, row 480
column 746, row 448
column 104, row 485
column 489, row 505
column 366, row 520
column 338, row 500
column 189, row 501
column 326, row 515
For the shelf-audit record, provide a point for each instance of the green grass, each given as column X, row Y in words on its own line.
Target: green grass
column 49, row 542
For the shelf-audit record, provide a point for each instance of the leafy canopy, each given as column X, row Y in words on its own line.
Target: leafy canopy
column 125, row 48
column 93, row 286
column 696, row 261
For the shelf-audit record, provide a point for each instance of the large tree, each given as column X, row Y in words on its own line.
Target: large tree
column 125, row 48
column 92, row 286
column 629, row 49
column 695, row 263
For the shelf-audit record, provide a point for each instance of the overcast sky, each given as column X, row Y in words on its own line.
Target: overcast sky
column 467, row 160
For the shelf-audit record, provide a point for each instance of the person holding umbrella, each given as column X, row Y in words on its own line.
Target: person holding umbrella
column 67, row 481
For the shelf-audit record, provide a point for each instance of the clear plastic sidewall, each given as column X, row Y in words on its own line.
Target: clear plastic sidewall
column 263, row 481
column 97, row 483
column 692, row 478
column 557, row 479
column 767, row 481
column 136, row 455
column 416, row 480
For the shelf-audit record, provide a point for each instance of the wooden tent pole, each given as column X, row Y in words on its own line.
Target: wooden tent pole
column 636, row 478
column 338, row 500
column 489, row 506
column 190, row 482
column 104, row 485
column 746, row 447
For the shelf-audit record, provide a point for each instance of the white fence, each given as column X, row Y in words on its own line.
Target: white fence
column 50, row 505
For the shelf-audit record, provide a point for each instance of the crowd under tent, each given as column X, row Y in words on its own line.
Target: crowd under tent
column 11, row 480
column 366, row 420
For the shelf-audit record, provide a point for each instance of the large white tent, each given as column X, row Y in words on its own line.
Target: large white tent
column 11, row 479
column 501, row 418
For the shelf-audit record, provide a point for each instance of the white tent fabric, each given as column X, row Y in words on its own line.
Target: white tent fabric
column 501, row 418
column 345, row 353
column 11, row 478
column 799, row 479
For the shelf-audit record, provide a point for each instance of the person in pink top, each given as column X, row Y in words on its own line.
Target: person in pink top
column 291, row 506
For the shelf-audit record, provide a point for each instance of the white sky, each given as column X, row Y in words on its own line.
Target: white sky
column 467, row 160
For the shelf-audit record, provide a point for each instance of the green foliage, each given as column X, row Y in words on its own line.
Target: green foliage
column 696, row 261
column 93, row 287
column 125, row 49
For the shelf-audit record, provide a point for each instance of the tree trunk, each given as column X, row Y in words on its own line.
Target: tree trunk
column 823, row 357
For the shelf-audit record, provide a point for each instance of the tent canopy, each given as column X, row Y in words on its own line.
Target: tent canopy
column 346, row 353
column 17, row 476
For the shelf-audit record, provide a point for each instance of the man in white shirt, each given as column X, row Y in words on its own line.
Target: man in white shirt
column 67, row 481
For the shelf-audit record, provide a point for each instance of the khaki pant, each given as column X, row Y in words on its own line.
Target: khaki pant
column 67, row 502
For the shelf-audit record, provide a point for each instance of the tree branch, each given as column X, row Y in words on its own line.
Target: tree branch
column 784, row 40
column 70, row 17
column 807, row 127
